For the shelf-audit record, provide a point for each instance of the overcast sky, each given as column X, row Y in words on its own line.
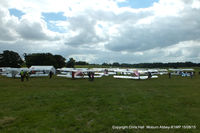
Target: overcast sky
column 97, row 31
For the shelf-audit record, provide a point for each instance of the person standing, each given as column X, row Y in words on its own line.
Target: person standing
column 50, row 74
column 22, row 75
column 92, row 76
column 89, row 76
column 73, row 73
column 169, row 75
column 191, row 75
column 27, row 75
column 149, row 75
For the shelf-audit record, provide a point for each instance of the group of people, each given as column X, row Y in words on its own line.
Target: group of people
column 23, row 75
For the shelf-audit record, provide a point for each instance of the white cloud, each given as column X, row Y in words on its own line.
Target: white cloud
column 6, row 26
column 34, row 30
column 196, row 4
column 157, row 31
column 100, row 31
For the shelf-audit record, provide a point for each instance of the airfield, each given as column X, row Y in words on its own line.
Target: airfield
column 60, row 105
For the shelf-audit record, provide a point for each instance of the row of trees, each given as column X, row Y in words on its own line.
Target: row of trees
column 44, row 59
column 12, row 59
column 154, row 65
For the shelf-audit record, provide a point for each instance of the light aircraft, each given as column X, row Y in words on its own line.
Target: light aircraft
column 133, row 74
column 13, row 72
column 34, row 71
column 41, row 71
column 77, row 73
column 182, row 72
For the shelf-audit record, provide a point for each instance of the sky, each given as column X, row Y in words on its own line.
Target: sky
column 98, row 31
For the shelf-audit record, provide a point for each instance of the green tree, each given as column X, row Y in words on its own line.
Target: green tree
column 40, row 59
column 81, row 63
column 44, row 59
column 71, row 63
column 60, row 61
column 10, row 59
column 116, row 64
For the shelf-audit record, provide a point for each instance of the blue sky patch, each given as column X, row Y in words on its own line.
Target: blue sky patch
column 137, row 3
column 53, row 27
column 16, row 13
column 100, row 26
column 51, row 16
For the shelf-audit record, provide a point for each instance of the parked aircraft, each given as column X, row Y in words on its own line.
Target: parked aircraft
column 182, row 72
column 41, row 71
column 133, row 74
column 77, row 73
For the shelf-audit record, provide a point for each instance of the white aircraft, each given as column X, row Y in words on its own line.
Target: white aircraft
column 182, row 72
column 163, row 71
column 34, row 71
column 3, row 70
column 13, row 72
column 133, row 74
column 77, row 73
column 41, row 71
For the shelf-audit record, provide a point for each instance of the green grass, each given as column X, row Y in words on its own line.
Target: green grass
column 61, row 105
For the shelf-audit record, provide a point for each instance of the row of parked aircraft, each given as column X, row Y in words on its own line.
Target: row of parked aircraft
column 40, row 71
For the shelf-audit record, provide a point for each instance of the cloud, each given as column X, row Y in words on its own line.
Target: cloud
column 84, row 27
column 6, row 26
column 13, row 28
column 33, row 30
column 101, row 31
column 160, row 32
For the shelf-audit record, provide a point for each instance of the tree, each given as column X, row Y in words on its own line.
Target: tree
column 60, row 61
column 116, row 64
column 71, row 63
column 10, row 59
column 81, row 63
column 104, row 64
column 40, row 59
column 45, row 59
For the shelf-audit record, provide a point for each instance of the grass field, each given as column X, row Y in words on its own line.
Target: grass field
column 61, row 105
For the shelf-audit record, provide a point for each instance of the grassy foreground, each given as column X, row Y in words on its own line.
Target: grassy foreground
column 63, row 105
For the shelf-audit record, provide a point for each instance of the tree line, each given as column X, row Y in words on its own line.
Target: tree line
column 12, row 59
column 154, row 65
